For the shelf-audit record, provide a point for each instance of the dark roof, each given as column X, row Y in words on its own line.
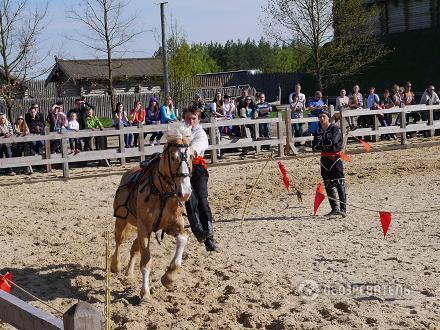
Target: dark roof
column 97, row 69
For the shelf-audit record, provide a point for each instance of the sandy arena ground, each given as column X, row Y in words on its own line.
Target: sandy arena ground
column 283, row 269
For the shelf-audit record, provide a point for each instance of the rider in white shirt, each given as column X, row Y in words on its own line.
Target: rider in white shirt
column 197, row 207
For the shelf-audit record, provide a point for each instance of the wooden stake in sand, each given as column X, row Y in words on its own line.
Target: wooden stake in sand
column 107, row 282
column 253, row 187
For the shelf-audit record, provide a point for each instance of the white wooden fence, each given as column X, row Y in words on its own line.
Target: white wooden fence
column 282, row 138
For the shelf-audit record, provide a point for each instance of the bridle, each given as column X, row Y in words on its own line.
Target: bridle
column 183, row 156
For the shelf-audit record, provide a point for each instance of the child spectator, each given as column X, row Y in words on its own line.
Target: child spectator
column 153, row 118
column 119, row 119
column 297, row 101
column 73, row 126
column 137, row 115
column 229, row 112
column 6, row 131
column 263, row 110
column 92, row 123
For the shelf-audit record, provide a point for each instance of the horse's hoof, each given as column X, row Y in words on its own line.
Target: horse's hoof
column 115, row 268
column 145, row 294
column 169, row 278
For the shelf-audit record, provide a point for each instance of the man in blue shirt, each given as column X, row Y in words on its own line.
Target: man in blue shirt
column 315, row 106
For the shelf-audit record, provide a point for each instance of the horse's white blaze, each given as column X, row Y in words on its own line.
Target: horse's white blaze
column 184, row 188
column 181, row 241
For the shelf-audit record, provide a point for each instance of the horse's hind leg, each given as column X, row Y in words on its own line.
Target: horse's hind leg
column 134, row 252
column 170, row 275
column 120, row 226
column 146, row 260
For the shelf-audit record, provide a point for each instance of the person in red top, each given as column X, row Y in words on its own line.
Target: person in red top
column 137, row 115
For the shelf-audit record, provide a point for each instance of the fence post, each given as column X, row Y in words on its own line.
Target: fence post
column 403, row 140
column 141, row 143
column 431, row 122
column 213, row 140
column 280, row 133
column 290, row 145
column 375, row 127
column 344, row 130
column 82, row 316
column 64, row 142
column 47, row 149
column 257, row 135
column 122, row 143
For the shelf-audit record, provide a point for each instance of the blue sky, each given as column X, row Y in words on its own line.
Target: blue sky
column 200, row 20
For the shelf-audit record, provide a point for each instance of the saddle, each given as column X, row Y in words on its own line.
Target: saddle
column 126, row 192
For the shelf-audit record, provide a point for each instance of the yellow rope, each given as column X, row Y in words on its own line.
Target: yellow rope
column 107, row 284
column 253, row 188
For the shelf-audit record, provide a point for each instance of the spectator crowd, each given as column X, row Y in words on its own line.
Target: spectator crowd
column 222, row 107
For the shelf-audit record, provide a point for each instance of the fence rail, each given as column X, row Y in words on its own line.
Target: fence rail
column 283, row 136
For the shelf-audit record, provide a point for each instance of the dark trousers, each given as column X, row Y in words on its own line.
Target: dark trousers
column 264, row 130
column 297, row 129
column 156, row 135
column 332, row 172
column 74, row 144
column 197, row 207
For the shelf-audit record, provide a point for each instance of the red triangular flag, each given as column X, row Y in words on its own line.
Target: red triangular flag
column 286, row 180
column 319, row 197
column 345, row 157
column 385, row 221
column 366, row 145
column 4, row 284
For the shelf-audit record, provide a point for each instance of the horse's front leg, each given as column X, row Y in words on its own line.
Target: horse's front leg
column 170, row 275
column 146, row 260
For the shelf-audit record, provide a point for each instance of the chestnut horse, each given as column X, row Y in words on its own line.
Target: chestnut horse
column 151, row 198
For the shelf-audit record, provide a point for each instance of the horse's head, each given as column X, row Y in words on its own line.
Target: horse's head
column 176, row 162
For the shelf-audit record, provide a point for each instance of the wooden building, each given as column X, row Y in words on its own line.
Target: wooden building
column 397, row 16
column 89, row 77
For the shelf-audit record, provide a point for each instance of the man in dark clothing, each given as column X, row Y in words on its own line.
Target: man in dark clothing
column 35, row 121
column 328, row 140
column 80, row 111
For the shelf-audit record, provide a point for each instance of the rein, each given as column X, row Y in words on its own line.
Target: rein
column 164, row 196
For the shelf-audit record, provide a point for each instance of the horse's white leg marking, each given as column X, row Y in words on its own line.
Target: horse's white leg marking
column 146, row 260
column 181, row 240
column 170, row 275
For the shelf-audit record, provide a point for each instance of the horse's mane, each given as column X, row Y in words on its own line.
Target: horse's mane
column 179, row 133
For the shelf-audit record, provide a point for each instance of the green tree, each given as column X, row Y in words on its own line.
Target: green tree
column 336, row 35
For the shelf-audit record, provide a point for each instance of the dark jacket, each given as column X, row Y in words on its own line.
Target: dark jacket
column 36, row 125
column 329, row 140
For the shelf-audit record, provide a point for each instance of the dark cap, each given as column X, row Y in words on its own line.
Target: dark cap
column 198, row 95
column 227, row 96
column 324, row 112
